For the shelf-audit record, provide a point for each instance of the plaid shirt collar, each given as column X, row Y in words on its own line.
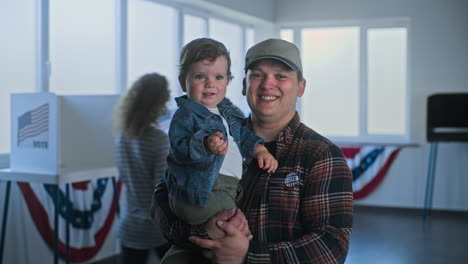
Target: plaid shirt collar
column 287, row 132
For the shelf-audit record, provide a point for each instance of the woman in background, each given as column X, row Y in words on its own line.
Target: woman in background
column 141, row 149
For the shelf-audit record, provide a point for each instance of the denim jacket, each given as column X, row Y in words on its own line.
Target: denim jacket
column 191, row 170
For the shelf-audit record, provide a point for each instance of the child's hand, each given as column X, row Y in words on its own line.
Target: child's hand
column 216, row 145
column 266, row 161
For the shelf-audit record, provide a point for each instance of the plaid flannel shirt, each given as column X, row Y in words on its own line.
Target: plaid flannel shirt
column 302, row 213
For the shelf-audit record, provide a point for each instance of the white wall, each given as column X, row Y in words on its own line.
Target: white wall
column 438, row 63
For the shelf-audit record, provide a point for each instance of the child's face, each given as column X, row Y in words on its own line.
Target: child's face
column 206, row 82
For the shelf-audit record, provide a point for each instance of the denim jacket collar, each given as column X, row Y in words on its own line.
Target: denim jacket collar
column 225, row 107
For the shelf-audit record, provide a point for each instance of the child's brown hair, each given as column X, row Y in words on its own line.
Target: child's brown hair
column 202, row 49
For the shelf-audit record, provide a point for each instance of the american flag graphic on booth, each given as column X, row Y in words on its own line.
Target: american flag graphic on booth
column 33, row 128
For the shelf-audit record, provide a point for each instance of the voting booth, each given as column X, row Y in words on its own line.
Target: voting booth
column 50, row 132
column 62, row 160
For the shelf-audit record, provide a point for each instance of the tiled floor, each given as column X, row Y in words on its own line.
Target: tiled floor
column 399, row 236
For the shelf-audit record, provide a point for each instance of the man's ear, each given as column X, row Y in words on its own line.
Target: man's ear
column 301, row 87
column 182, row 83
column 244, row 84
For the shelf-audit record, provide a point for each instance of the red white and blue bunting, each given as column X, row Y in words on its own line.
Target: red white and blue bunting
column 90, row 209
column 369, row 165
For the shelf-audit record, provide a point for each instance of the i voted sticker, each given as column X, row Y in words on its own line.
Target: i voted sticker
column 291, row 179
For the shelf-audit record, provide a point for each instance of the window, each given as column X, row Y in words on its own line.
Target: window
column 386, row 81
column 356, row 81
column 152, row 42
column 18, row 60
column 249, row 38
column 194, row 27
column 287, row 34
column 83, row 47
column 331, row 63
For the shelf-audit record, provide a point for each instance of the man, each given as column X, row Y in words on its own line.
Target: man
column 302, row 213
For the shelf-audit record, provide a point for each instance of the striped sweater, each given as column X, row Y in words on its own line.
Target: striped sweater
column 141, row 163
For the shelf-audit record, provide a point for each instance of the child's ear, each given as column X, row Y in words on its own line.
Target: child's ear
column 182, row 83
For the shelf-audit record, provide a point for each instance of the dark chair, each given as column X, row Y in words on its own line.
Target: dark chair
column 447, row 121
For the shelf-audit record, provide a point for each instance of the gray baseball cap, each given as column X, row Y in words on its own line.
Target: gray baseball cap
column 278, row 49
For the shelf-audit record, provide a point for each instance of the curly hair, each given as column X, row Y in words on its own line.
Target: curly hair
column 142, row 105
column 202, row 49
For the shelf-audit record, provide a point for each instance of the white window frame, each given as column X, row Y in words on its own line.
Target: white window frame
column 364, row 26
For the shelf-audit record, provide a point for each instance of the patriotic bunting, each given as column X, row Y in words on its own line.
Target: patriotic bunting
column 369, row 165
column 90, row 209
